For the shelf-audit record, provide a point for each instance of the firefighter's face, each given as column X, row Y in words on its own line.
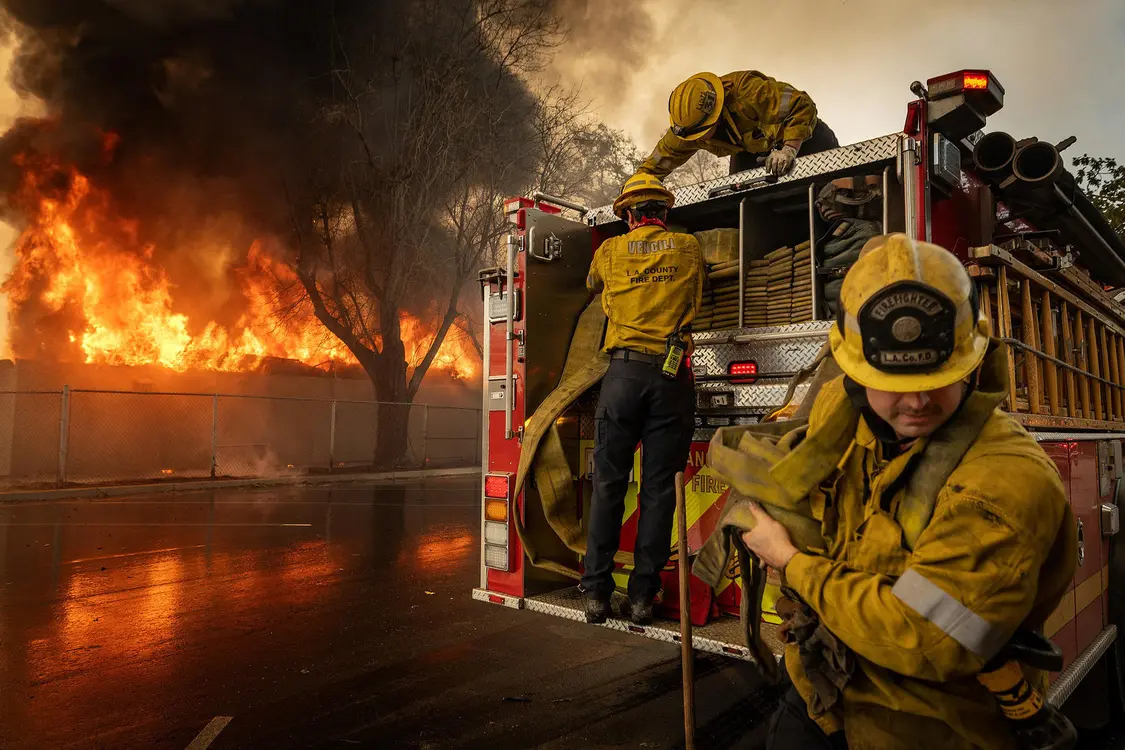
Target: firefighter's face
column 915, row 415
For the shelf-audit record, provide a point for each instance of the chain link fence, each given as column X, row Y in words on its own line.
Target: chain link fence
column 50, row 438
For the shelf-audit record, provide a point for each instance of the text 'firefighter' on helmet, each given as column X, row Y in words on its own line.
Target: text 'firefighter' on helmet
column 908, row 318
column 642, row 188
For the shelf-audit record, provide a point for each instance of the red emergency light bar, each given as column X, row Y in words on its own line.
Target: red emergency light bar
column 960, row 103
column 965, row 81
column 743, row 368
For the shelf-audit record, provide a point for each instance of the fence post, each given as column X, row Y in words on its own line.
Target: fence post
column 64, row 433
column 425, row 436
column 214, row 435
column 332, row 437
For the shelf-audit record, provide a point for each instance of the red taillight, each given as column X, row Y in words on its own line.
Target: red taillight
column 743, row 368
column 496, row 486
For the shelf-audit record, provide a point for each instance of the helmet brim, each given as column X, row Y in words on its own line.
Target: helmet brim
column 959, row 366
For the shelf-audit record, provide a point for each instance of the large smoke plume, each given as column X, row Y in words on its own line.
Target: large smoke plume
column 209, row 119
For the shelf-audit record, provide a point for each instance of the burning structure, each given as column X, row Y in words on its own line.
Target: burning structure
column 188, row 200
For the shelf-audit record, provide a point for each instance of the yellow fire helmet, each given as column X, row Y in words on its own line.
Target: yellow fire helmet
column 908, row 319
column 695, row 105
column 641, row 188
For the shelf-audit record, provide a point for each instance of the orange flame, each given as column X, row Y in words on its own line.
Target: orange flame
column 81, row 267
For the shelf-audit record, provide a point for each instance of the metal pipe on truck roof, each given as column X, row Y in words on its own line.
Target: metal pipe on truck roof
column 538, row 196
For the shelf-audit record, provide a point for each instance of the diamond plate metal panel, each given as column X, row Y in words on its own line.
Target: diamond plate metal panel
column 775, row 350
column 723, row 636
column 511, row 602
column 863, row 154
column 586, row 427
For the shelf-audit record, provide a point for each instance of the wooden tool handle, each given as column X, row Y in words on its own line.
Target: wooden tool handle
column 686, row 651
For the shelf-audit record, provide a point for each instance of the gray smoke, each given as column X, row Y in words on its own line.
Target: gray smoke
column 219, row 109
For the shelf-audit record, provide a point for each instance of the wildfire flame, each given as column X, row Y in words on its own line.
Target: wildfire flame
column 82, row 268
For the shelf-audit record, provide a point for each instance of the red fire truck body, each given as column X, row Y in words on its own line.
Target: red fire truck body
column 941, row 180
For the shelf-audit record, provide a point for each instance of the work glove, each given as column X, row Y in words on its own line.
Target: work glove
column 780, row 161
column 827, row 661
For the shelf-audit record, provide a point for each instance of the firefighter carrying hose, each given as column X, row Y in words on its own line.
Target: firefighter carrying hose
column 651, row 282
column 745, row 115
column 902, row 625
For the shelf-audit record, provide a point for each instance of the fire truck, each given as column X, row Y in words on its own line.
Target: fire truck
column 1045, row 261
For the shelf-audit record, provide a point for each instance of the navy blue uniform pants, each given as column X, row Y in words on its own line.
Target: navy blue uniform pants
column 637, row 404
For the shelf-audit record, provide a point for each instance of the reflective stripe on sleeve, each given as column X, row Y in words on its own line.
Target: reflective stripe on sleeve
column 786, row 101
column 951, row 616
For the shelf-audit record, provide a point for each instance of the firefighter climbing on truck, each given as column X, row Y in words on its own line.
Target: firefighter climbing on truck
column 945, row 527
column 745, row 115
column 651, row 285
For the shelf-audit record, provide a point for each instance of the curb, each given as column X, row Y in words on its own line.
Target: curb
column 212, row 484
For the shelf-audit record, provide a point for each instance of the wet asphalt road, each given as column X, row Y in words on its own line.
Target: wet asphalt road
column 313, row 617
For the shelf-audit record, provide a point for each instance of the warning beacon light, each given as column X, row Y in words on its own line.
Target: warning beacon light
column 960, row 103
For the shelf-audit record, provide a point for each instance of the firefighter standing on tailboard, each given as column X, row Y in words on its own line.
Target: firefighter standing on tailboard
column 651, row 282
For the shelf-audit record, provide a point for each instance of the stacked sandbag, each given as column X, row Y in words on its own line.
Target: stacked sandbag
column 801, row 309
column 779, row 286
column 719, row 246
column 720, row 296
column 757, row 294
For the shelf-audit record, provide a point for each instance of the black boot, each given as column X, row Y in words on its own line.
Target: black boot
column 640, row 611
column 597, row 610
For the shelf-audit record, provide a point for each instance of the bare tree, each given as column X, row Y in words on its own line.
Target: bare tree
column 402, row 201
column 701, row 167
column 580, row 157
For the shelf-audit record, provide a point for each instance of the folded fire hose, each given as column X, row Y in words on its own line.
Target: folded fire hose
column 542, row 455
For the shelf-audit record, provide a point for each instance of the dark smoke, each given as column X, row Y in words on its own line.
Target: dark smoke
column 220, row 105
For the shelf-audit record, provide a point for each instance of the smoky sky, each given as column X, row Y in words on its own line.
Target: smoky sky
column 222, row 95
column 221, row 114
column 1060, row 63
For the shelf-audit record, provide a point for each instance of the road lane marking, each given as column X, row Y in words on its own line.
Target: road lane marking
column 210, row 732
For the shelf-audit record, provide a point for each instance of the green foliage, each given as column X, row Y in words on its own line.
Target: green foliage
column 1103, row 179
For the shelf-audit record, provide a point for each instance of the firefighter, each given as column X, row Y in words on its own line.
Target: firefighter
column 651, row 282
column 993, row 547
column 745, row 115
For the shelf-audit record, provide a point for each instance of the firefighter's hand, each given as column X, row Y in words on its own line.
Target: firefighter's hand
column 781, row 161
column 769, row 540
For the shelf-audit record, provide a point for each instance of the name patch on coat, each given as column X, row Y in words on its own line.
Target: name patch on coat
column 641, row 247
